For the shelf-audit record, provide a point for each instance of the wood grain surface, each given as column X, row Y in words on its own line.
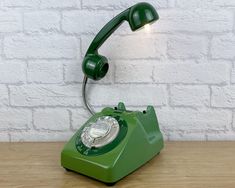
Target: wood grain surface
column 180, row 165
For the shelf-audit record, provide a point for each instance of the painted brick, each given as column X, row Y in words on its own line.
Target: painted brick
column 134, row 71
column 45, row 95
column 221, row 136
column 233, row 123
column 4, row 100
column 51, row 119
column 79, row 117
column 12, row 72
column 131, row 46
column 4, row 137
column 233, row 75
column 190, row 120
column 12, row 119
column 45, row 72
column 73, row 72
column 215, row 4
column 41, row 21
column 41, row 46
column 189, row 96
column 194, row 20
column 187, row 46
column 21, row 3
column 224, row 3
column 185, row 57
column 10, row 21
column 60, row 4
column 223, row 47
column 74, row 21
column 121, row 4
column 192, row 4
column 192, row 73
column 223, row 96
column 174, row 136
column 1, row 47
column 133, row 95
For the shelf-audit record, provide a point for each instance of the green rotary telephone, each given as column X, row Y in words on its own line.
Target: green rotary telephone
column 114, row 142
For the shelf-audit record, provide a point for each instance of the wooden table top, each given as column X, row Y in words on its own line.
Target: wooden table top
column 180, row 165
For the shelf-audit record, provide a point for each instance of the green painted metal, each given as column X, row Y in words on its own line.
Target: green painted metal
column 141, row 142
column 95, row 66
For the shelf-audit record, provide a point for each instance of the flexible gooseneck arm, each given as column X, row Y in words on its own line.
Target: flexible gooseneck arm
column 100, row 38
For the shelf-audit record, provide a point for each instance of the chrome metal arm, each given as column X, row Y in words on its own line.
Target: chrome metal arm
column 89, row 108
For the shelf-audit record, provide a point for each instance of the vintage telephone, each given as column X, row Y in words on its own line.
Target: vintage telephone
column 114, row 142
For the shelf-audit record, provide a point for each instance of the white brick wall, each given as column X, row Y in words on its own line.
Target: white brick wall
column 34, row 95
column 120, row 4
column 33, row 23
column 51, row 119
column 187, row 47
column 4, row 96
column 12, row 72
column 133, row 95
column 78, row 22
column 185, row 67
column 223, row 96
column 126, row 47
column 45, row 72
column 20, row 3
column 223, row 43
column 189, row 72
column 233, row 75
column 194, row 96
column 40, row 46
column 76, row 4
column 10, row 21
column 15, row 119
column 196, row 20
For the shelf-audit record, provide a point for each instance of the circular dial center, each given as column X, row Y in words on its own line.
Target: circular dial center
column 100, row 129
column 101, row 132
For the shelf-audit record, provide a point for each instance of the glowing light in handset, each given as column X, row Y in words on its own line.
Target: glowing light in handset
column 147, row 28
